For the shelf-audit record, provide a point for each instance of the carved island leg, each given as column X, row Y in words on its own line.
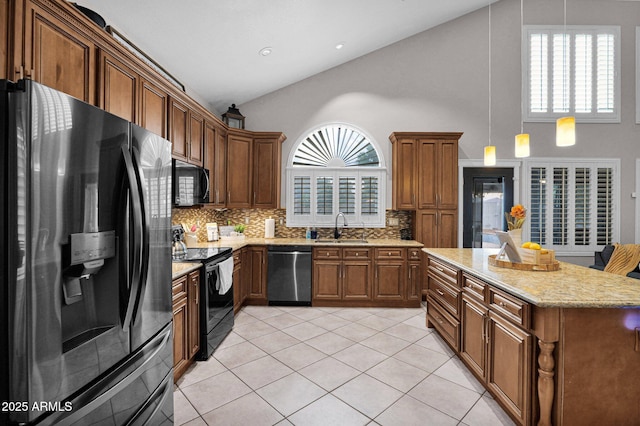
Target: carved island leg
column 546, row 385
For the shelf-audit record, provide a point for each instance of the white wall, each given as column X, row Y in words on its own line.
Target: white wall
column 438, row 81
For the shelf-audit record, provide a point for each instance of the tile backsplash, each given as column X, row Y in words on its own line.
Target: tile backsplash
column 256, row 217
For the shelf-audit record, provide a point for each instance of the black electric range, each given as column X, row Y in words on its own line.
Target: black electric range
column 216, row 295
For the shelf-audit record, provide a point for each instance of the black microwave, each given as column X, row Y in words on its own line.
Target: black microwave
column 190, row 184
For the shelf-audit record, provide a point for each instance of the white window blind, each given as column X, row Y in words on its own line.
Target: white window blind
column 571, row 72
column 335, row 168
column 573, row 204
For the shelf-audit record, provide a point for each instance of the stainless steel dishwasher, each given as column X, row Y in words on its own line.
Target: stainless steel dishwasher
column 289, row 275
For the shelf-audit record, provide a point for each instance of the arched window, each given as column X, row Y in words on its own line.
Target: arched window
column 336, row 168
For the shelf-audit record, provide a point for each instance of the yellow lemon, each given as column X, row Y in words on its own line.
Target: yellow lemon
column 534, row 246
column 526, row 245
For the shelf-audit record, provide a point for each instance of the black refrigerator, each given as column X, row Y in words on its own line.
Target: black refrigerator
column 85, row 300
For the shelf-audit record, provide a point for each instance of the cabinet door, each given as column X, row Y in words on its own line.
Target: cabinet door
column 153, row 108
column 447, row 228
column 509, row 365
column 473, row 342
column 118, row 88
column 258, row 283
column 180, row 337
column 209, row 158
column 426, row 228
column 178, row 129
column 193, row 312
column 428, row 174
column 239, row 171
column 356, row 280
column 447, row 175
column 327, row 279
column 238, row 279
column 389, row 281
column 405, row 165
column 414, row 283
column 57, row 55
column 219, row 172
column 266, row 171
column 196, row 138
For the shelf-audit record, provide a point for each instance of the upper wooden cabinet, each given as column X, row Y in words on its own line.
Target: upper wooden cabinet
column 267, row 158
column 186, row 133
column 253, row 164
column 153, row 108
column 425, row 170
column 239, row 170
column 215, row 160
column 118, row 92
column 53, row 53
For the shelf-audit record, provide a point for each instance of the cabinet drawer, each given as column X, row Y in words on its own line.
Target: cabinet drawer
column 237, row 257
column 390, row 253
column 443, row 271
column 326, row 253
column 446, row 295
column 179, row 288
column 474, row 286
column 447, row 326
column 354, row 253
column 415, row 254
column 511, row 307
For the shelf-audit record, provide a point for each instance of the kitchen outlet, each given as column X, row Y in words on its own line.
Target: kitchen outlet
column 394, row 221
column 246, row 220
column 281, row 221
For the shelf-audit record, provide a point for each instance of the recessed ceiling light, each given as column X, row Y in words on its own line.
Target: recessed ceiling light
column 339, row 46
column 266, row 51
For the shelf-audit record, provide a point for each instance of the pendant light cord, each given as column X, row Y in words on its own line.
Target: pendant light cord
column 490, row 74
column 522, row 65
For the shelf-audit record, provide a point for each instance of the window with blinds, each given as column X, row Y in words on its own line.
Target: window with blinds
column 335, row 168
column 572, row 70
column 573, row 204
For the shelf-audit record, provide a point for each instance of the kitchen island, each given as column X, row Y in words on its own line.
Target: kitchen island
column 558, row 347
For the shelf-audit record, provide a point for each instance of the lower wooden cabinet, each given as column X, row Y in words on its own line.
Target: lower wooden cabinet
column 490, row 331
column 186, row 321
column 366, row 276
column 257, row 288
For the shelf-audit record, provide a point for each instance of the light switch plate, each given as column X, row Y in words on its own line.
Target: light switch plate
column 394, row 221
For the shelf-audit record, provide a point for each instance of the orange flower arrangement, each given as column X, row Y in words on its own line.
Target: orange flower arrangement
column 516, row 218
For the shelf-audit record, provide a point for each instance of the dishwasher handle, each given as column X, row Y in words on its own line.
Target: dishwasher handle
column 308, row 253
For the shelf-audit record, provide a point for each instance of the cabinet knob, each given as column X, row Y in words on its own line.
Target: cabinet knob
column 357, row 254
column 389, row 253
column 327, row 254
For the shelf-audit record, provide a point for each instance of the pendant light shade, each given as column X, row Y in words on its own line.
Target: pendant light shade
column 490, row 155
column 522, row 145
column 566, row 131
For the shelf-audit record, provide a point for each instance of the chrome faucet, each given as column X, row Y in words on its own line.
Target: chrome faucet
column 336, row 233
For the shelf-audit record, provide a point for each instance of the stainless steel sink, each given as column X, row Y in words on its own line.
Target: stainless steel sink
column 332, row 241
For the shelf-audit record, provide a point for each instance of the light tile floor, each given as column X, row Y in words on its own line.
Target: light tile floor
column 333, row 366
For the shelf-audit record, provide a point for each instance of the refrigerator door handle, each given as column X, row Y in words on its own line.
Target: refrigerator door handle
column 143, row 226
column 136, row 274
column 113, row 383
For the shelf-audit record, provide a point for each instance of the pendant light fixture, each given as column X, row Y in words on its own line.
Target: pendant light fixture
column 522, row 140
column 490, row 150
column 565, row 126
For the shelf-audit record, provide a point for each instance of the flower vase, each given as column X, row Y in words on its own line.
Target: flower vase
column 516, row 236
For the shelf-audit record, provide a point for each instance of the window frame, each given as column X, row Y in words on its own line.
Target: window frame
column 328, row 220
column 550, row 116
column 571, row 249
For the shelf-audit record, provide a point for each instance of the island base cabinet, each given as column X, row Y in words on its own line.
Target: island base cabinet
column 598, row 360
column 509, row 366
column 447, row 325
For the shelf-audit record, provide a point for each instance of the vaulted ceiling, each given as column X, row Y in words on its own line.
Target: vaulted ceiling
column 214, row 47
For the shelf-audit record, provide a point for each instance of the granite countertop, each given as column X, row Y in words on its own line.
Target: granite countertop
column 180, row 268
column 236, row 244
column 572, row 286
